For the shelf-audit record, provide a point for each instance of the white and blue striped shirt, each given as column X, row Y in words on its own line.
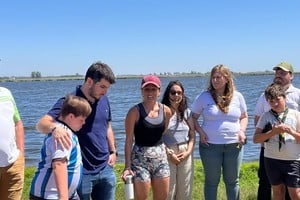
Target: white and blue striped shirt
column 43, row 183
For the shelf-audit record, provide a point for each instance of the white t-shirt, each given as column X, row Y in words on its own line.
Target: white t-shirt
column 220, row 127
column 288, row 151
column 8, row 117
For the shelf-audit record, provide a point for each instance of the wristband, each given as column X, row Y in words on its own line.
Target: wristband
column 113, row 152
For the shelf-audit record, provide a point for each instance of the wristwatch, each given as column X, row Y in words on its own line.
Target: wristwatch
column 113, row 152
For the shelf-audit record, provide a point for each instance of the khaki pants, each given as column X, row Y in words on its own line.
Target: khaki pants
column 181, row 176
column 12, row 180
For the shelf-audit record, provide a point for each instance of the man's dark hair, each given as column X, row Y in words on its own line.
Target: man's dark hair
column 99, row 70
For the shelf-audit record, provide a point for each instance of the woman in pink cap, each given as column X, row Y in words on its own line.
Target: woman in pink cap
column 145, row 124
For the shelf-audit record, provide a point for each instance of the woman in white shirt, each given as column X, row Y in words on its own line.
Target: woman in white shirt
column 222, row 132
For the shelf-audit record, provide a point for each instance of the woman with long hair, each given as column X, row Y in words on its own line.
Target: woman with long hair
column 179, row 140
column 222, row 132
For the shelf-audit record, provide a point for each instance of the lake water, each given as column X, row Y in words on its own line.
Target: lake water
column 34, row 99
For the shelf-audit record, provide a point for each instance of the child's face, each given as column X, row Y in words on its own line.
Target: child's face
column 277, row 103
column 77, row 122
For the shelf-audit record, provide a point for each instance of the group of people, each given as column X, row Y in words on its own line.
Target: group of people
column 79, row 150
column 159, row 142
column 78, row 153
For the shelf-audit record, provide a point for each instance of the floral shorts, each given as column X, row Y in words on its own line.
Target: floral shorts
column 149, row 162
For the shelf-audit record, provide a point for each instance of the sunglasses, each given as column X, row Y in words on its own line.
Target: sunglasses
column 173, row 92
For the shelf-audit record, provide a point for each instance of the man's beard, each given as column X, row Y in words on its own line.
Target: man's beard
column 92, row 95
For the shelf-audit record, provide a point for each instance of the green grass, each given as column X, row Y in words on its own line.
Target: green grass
column 248, row 182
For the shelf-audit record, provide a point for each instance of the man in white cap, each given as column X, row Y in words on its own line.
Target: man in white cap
column 284, row 74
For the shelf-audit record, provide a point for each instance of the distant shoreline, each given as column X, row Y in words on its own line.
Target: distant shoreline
column 165, row 75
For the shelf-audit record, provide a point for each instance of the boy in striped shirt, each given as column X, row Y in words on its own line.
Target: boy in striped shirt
column 59, row 171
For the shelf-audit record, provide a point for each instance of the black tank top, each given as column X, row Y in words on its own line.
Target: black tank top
column 148, row 131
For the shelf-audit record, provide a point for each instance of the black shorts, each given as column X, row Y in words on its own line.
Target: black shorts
column 283, row 172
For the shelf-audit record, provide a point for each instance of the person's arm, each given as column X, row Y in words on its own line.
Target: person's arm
column 191, row 141
column 130, row 120
column 265, row 129
column 276, row 129
column 190, row 146
column 202, row 134
column 291, row 131
column 19, row 128
column 242, row 139
column 61, row 177
column 243, row 126
column 260, row 137
column 168, row 115
column 195, row 117
column 47, row 125
column 111, row 145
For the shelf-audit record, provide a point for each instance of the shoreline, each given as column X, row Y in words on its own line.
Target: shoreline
column 164, row 75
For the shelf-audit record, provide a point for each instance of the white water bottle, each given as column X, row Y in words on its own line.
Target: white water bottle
column 129, row 193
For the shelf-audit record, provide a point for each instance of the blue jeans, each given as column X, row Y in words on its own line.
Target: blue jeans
column 98, row 186
column 221, row 157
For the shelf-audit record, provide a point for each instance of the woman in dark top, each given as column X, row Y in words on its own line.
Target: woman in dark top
column 145, row 124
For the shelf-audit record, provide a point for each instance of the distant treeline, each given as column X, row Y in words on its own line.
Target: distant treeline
column 166, row 74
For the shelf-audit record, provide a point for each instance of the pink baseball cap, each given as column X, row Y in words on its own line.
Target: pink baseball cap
column 150, row 79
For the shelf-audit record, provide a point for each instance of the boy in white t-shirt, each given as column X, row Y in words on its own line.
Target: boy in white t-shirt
column 60, row 170
column 281, row 138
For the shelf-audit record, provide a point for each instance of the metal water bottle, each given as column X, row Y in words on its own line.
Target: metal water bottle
column 129, row 193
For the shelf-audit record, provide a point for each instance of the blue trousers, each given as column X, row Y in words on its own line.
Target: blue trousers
column 100, row 186
column 217, row 158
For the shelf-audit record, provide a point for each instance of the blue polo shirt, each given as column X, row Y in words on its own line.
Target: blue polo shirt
column 93, row 134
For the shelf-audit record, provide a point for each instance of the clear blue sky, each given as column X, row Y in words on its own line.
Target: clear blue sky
column 61, row 37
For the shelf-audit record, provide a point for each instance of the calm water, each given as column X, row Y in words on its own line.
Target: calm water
column 34, row 99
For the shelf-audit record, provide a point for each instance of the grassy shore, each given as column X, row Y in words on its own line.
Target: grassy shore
column 248, row 182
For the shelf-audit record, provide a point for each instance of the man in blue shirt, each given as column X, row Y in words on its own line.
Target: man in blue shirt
column 96, row 137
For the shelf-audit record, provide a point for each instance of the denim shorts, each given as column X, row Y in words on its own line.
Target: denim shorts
column 149, row 162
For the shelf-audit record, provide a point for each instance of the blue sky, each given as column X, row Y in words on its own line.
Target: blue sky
column 147, row 36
